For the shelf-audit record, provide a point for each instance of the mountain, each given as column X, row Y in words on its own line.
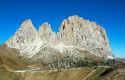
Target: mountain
column 76, row 37
column 80, row 48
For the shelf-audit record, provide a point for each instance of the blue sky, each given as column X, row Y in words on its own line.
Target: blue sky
column 107, row 13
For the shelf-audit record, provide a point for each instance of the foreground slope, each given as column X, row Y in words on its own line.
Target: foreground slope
column 15, row 67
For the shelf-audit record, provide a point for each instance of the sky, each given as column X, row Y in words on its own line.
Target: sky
column 108, row 13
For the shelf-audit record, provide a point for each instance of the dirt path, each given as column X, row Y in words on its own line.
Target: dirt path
column 90, row 74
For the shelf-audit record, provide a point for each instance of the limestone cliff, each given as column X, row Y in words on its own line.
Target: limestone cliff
column 74, row 35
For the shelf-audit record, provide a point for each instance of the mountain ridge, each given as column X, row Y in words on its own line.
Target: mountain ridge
column 74, row 32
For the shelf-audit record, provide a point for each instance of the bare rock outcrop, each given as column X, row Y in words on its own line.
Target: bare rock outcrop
column 75, row 34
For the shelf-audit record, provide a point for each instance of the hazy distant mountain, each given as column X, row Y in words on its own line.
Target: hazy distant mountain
column 76, row 37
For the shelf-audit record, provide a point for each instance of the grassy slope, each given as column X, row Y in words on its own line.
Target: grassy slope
column 64, row 74
column 98, row 72
column 70, row 74
column 10, row 61
column 6, row 75
column 117, row 74
column 107, row 73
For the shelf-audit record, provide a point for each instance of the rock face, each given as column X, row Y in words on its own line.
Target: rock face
column 76, row 36
column 84, row 34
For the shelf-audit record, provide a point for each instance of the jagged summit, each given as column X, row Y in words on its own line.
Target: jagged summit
column 79, row 21
column 75, row 33
column 27, row 21
column 71, row 20
column 27, row 24
column 45, row 32
column 24, row 33
column 45, row 26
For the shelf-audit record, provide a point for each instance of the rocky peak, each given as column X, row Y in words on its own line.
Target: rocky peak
column 45, row 26
column 25, row 34
column 72, row 20
column 27, row 26
column 46, row 33
column 27, row 22
column 25, row 39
